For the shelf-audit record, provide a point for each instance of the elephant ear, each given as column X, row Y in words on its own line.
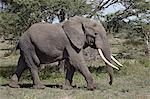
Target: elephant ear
column 74, row 31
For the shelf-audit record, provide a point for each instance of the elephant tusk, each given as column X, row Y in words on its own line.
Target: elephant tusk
column 105, row 60
column 113, row 58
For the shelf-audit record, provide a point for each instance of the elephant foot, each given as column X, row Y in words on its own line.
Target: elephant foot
column 67, row 87
column 38, row 86
column 91, row 87
column 13, row 84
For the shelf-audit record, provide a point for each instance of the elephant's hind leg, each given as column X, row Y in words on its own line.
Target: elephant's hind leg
column 32, row 62
column 69, row 75
column 16, row 76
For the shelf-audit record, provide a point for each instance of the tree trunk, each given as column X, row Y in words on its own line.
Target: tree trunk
column 147, row 45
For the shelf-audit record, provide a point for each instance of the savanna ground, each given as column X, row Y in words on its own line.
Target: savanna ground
column 131, row 82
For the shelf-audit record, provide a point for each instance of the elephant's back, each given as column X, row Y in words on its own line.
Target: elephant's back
column 47, row 31
column 48, row 36
column 44, row 28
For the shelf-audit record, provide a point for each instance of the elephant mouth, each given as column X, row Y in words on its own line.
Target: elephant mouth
column 105, row 60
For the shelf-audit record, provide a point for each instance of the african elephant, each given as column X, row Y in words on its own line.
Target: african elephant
column 46, row 43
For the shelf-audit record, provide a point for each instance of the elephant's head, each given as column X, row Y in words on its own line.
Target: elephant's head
column 84, row 32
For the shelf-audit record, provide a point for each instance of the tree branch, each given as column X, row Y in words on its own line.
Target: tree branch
column 114, row 1
column 101, row 6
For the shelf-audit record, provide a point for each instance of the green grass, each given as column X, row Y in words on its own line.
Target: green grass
column 131, row 82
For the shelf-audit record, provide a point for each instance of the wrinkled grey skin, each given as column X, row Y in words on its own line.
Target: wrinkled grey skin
column 46, row 43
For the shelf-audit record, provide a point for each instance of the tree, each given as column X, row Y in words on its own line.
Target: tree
column 132, row 8
column 21, row 14
column 135, row 19
column 141, row 30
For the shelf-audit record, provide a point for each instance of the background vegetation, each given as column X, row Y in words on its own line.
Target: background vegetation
column 128, row 33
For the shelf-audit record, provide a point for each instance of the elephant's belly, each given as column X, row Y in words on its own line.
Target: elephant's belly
column 50, row 57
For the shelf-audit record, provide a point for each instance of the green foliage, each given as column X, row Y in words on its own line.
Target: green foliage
column 131, row 23
column 18, row 17
column 8, row 24
column 21, row 14
column 71, row 7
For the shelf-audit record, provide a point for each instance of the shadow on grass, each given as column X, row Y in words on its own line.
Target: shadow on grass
column 30, row 86
column 27, row 85
column 97, row 70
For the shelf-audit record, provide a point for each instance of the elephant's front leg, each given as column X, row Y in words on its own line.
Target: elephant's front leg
column 77, row 60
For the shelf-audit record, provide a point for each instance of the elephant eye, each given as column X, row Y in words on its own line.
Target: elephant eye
column 96, row 33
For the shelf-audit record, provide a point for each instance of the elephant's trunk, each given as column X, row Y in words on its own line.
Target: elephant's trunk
column 105, row 54
column 105, row 60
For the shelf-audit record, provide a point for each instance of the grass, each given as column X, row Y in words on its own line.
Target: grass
column 131, row 82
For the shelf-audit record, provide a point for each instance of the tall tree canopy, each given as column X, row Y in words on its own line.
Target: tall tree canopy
column 19, row 15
